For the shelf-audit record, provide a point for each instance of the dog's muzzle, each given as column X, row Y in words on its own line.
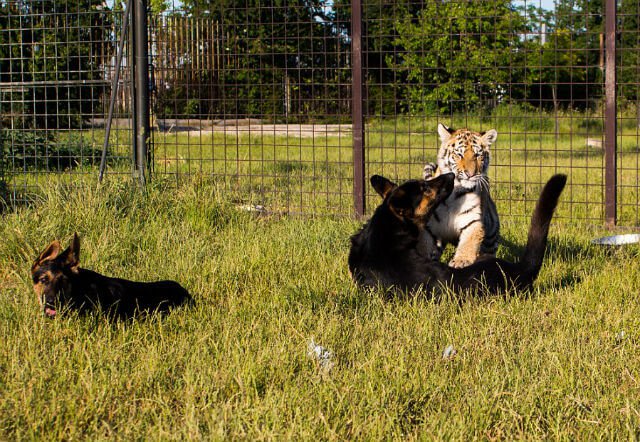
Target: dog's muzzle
column 49, row 309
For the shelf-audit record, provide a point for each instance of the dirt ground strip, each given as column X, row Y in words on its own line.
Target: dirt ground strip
column 245, row 126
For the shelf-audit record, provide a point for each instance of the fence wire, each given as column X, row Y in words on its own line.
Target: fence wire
column 56, row 64
column 259, row 96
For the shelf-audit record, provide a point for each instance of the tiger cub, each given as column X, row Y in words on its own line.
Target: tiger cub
column 468, row 217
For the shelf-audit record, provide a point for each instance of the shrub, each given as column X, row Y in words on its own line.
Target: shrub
column 40, row 150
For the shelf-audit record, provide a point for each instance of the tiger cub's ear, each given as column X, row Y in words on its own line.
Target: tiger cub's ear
column 489, row 136
column 445, row 132
column 382, row 185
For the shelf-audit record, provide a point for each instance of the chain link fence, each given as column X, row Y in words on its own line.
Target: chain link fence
column 293, row 105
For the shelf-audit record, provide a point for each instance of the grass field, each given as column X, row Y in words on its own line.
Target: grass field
column 301, row 174
column 560, row 363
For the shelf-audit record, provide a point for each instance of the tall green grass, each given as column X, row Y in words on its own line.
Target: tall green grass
column 559, row 363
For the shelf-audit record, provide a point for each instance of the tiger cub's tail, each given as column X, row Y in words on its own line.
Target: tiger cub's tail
column 531, row 260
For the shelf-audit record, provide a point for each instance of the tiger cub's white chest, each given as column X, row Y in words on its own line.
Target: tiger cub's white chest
column 457, row 211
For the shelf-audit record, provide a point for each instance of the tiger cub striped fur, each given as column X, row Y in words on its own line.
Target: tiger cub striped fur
column 468, row 217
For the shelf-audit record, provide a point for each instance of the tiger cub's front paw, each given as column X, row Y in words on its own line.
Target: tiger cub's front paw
column 458, row 262
column 429, row 171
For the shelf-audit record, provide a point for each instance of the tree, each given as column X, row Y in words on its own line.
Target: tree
column 629, row 56
column 550, row 62
column 572, row 56
column 52, row 51
column 458, row 55
column 283, row 54
column 380, row 49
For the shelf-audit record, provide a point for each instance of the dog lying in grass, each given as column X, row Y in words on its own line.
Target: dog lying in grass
column 389, row 251
column 60, row 283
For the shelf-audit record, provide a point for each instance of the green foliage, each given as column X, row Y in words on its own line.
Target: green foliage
column 420, row 57
column 51, row 51
column 40, row 150
column 278, row 55
column 629, row 39
column 453, row 53
column 429, row 56
column 159, row 6
column 192, row 107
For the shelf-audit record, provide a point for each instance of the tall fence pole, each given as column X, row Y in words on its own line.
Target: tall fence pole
column 356, row 108
column 141, row 109
column 610, row 116
column 132, row 90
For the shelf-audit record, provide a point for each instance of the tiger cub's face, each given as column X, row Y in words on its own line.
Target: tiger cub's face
column 466, row 154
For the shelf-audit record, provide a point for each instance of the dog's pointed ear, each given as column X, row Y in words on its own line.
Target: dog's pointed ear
column 382, row 185
column 445, row 132
column 443, row 184
column 51, row 252
column 72, row 258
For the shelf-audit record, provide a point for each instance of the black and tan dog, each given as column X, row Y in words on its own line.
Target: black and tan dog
column 388, row 251
column 59, row 283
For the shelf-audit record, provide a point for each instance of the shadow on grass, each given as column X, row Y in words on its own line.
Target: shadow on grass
column 571, row 254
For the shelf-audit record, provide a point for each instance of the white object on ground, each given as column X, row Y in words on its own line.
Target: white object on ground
column 449, row 352
column 323, row 355
column 617, row 240
column 253, row 208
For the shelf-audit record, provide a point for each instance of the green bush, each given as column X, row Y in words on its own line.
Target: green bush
column 40, row 150
column 591, row 124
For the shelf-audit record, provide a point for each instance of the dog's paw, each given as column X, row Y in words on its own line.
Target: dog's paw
column 429, row 171
column 459, row 262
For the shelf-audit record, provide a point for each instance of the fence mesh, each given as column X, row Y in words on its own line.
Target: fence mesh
column 56, row 65
column 259, row 96
column 532, row 74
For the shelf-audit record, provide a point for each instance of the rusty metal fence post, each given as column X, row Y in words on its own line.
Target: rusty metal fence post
column 356, row 111
column 610, row 115
column 142, row 104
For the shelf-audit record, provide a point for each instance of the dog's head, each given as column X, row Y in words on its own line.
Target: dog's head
column 53, row 274
column 413, row 200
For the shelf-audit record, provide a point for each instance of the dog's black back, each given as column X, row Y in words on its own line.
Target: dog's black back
column 387, row 252
column 59, row 282
column 125, row 298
